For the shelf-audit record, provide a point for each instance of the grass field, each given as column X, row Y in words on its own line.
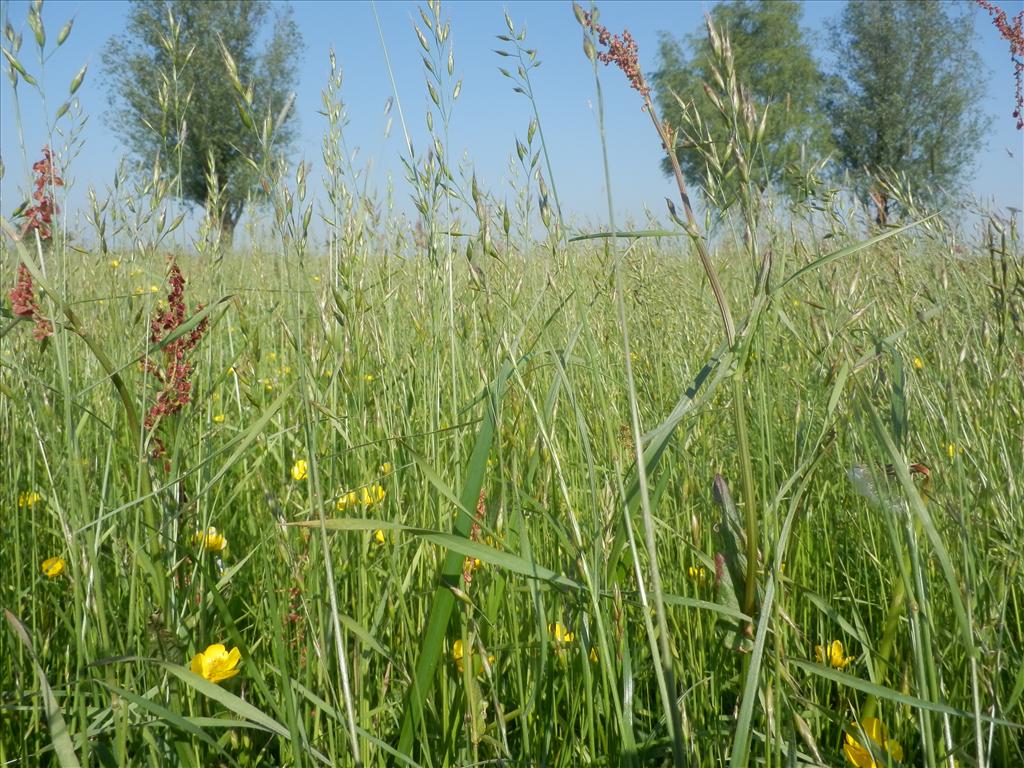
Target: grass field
column 385, row 388
column 555, row 504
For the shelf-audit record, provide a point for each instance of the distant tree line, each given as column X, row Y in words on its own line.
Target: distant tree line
column 902, row 96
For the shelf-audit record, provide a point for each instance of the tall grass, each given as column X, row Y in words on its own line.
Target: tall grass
column 564, row 563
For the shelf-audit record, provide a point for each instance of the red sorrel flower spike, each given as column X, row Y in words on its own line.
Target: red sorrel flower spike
column 622, row 52
column 24, row 305
column 39, row 216
column 175, row 374
column 1013, row 33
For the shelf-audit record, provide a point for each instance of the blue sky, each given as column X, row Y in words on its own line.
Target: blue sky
column 488, row 115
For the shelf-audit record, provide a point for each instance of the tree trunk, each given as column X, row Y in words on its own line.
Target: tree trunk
column 881, row 201
column 226, row 231
column 228, row 219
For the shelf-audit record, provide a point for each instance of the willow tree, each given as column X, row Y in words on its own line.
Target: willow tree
column 775, row 66
column 175, row 105
column 905, row 98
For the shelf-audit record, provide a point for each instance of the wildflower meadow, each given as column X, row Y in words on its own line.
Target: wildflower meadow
column 487, row 486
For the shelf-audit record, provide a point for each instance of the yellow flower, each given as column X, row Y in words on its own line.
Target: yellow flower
column 210, row 540
column 138, row 290
column 218, row 419
column 347, row 500
column 368, row 378
column 28, row 499
column 386, row 468
column 593, row 656
column 378, row 537
column 300, row 470
column 458, row 656
column 861, row 756
column 918, row 363
column 215, row 663
column 372, row 494
column 560, row 633
column 154, row 289
column 833, row 655
column 698, row 575
column 114, row 263
column 367, row 495
column 951, row 450
column 53, row 566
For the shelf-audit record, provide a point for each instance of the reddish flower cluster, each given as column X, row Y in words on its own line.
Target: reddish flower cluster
column 622, row 52
column 24, row 305
column 175, row 375
column 1014, row 35
column 471, row 563
column 39, row 215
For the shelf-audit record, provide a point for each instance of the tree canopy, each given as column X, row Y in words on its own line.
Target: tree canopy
column 172, row 96
column 773, row 62
column 904, row 97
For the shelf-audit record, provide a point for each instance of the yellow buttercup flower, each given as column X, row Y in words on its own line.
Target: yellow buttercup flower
column 210, row 540
column 28, row 499
column 367, row 495
column 216, row 663
column 300, row 470
column 114, row 263
column 698, row 575
column 154, row 289
column 386, row 468
column 560, row 633
column 378, row 537
column 218, row 419
column 918, row 363
column 458, row 656
column 53, row 566
column 372, row 494
column 951, row 450
column 368, row 378
column 833, row 655
column 861, row 756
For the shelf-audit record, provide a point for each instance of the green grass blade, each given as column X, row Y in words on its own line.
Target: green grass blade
column 59, row 736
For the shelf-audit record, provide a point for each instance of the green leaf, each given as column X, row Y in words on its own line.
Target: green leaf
column 456, row 543
column 59, row 736
column 881, row 692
